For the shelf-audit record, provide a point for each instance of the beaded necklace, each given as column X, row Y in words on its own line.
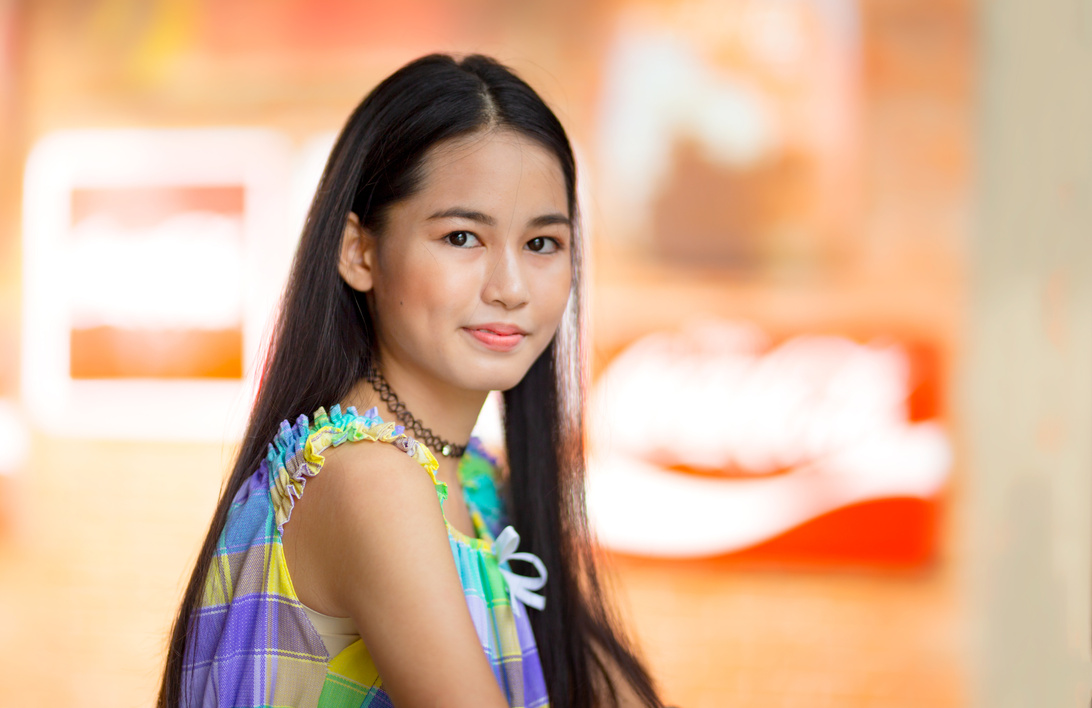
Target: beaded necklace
column 433, row 441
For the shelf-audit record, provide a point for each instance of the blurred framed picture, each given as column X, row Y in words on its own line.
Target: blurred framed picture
column 153, row 260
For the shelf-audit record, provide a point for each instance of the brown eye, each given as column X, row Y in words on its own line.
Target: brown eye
column 459, row 238
column 542, row 244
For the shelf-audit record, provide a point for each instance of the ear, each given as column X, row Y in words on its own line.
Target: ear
column 357, row 255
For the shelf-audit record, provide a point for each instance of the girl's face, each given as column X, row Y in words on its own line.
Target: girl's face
column 470, row 278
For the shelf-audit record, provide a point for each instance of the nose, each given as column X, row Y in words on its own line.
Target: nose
column 506, row 284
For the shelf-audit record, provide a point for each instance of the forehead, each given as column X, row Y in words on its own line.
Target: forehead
column 493, row 169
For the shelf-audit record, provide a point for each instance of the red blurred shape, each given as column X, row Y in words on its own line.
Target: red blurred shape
column 896, row 533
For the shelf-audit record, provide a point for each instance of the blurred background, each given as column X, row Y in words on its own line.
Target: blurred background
column 840, row 321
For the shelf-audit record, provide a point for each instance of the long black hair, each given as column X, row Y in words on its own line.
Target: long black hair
column 324, row 343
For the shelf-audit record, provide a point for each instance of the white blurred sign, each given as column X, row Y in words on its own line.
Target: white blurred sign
column 770, row 437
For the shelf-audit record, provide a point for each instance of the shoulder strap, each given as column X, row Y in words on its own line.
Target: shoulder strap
column 296, row 452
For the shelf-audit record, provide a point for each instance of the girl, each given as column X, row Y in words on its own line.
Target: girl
column 440, row 261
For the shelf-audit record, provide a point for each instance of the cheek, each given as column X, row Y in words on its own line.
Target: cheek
column 555, row 293
column 448, row 286
column 415, row 282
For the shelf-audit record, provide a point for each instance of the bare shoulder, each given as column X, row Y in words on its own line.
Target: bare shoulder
column 367, row 485
column 375, row 469
column 367, row 500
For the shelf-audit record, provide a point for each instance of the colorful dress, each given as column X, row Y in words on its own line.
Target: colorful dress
column 251, row 643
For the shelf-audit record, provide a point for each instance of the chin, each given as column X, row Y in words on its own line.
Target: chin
column 497, row 377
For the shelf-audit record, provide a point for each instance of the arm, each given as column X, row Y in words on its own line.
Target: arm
column 367, row 541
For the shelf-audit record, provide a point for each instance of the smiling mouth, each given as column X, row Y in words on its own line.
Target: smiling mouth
column 498, row 339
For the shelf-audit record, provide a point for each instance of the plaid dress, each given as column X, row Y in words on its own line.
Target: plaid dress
column 251, row 645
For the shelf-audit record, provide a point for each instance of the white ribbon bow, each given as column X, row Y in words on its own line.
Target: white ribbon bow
column 520, row 587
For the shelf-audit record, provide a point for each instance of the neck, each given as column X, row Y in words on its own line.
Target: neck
column 447, row 411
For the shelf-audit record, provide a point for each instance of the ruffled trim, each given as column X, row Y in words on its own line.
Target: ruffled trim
column 296, row 452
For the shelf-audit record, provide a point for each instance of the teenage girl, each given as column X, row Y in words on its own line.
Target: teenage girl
column 440, row 261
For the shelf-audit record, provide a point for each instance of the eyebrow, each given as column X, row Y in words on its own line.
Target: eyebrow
column 472, row 215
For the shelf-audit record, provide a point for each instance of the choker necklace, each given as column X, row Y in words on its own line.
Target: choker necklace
column 429, row 438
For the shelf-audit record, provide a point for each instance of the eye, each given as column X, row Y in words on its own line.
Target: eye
column 544, row 244
column 461, row 239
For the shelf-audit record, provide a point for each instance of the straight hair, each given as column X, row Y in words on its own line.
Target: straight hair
column 324, row 343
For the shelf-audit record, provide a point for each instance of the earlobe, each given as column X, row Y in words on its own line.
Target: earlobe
column 357, row 255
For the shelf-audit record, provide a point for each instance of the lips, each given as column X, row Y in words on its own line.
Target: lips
column 498, row 336
column 498, row 328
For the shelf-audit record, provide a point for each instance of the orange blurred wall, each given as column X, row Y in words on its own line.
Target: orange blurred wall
column 96, row 536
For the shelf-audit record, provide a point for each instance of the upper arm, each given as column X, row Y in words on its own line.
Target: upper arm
column 370, row 542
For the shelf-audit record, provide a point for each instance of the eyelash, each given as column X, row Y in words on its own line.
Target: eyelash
column 557, row 243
